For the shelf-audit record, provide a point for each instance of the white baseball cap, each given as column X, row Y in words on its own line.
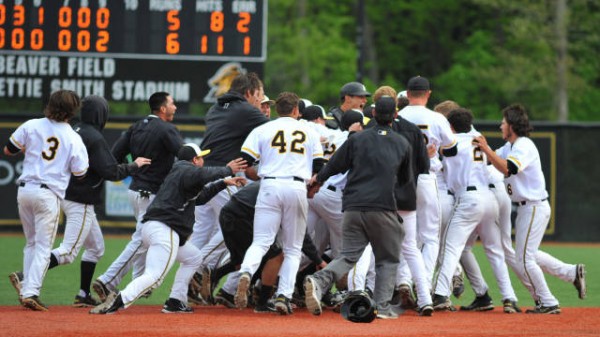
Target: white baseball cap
column 267, row 100
column 402, row 94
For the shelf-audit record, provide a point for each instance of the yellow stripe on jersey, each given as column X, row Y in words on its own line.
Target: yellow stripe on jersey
column 449, row 146
column 14, row 141
column 514, row 160
column 250, row 152
column 80, row 173
column 317, row 155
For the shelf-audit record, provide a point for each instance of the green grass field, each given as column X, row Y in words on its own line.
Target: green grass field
column 62, row 283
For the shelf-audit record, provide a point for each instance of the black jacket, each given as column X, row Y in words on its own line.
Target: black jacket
column 176, row 199
column 406, row 195
column 377, row 159
column 152, row 138
column 228, row 123
column 103, row 166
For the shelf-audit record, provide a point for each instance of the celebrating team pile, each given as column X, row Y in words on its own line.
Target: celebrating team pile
column 366, row 209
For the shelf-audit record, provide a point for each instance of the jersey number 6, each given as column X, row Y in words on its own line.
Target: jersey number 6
column 298, row 139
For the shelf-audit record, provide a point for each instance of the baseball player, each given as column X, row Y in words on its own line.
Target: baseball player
column 228, row 123
column 353, row 95
column 475, row 210
column 519, row 161
column 437, row 133
column 167, row 225
column 288, row 151
column 82, row 228
column 156, row 138
column 53, row 151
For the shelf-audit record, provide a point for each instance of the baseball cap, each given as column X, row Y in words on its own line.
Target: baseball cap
column 267, row 100
column 417, row 83
column 190, row 151
column 313, row 112
column 354, row 89
column 303, row 104
column 350, row 117
column 402, row 94
column 386, row 105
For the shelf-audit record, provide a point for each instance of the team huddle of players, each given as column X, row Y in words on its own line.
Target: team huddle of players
column 386, row 198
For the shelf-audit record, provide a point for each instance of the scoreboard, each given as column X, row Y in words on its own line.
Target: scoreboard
column 126, row 49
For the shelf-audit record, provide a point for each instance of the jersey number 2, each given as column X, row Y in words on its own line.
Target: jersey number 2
column 298, row 139
column 51, row 153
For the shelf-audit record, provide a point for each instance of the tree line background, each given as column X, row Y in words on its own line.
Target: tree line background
column 483, row 54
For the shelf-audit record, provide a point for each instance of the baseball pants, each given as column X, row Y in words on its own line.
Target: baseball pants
column 428, row 221
column 281, row 203
column 81, row 230
column 39, row 210
column 133, row 255
column 162, row 244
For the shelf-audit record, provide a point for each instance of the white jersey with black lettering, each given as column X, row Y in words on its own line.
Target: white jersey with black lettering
column 285, row 147
column 529, row 183
column 53, row 151
column 468, row 167
column 434, row 126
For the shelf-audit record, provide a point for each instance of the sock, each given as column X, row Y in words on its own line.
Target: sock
column 53, row 261
column 87, row 273
column 265, row 293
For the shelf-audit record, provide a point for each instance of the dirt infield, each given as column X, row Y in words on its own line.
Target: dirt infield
column 143, row 320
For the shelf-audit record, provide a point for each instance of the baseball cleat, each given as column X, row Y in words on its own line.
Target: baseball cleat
column 16, row 279
column 85, row 301
column 510, row 306
column 282, row 305
column 101, row 290
column 34, row 304
column 267, row 308
column 442, row 303
column 206, row 286
column 553, row 310
column 480, row 303
column 312, row 296
column 175, row 306
column 426, row 310
column 225, row 299
column 241, row 295
column 458, row 286
column 579, row 282
column 407, row 300
column 113, row 302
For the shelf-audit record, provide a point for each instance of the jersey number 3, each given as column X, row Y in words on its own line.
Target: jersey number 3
column 51, row 153
column 280, row 143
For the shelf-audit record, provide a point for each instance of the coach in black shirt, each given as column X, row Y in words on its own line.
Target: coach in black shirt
column 376, row 160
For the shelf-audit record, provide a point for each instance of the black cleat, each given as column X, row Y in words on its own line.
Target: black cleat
column 175, row 306
column 480, row 303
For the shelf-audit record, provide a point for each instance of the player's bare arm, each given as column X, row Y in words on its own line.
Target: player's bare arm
column 237, row 165
column 499, row 163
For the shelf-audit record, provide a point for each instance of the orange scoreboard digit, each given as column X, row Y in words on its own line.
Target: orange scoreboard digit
column 136, row 29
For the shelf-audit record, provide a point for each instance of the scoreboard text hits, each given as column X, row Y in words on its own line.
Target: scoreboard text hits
column 135, row 29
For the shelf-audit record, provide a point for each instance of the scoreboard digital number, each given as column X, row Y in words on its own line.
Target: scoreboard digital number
column 136, row 29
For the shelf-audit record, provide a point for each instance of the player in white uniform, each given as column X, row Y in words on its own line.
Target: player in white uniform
column 437, row 132
column 475, row 210
column 53, row 151
column 519, row 161
column 286, row 149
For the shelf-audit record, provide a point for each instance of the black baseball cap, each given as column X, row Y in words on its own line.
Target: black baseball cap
column 386, row 105
column 418, row 83
column 190, row 151
column 354, row 89
column 313, row 112
column 350, row 117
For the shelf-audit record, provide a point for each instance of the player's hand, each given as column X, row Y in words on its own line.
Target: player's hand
column 235, row 181
column 322, row 265
column 237, row 165
column 312, row 187
column 356, row 127
column 432, row 150
column 141, row 161
column 481, row 142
